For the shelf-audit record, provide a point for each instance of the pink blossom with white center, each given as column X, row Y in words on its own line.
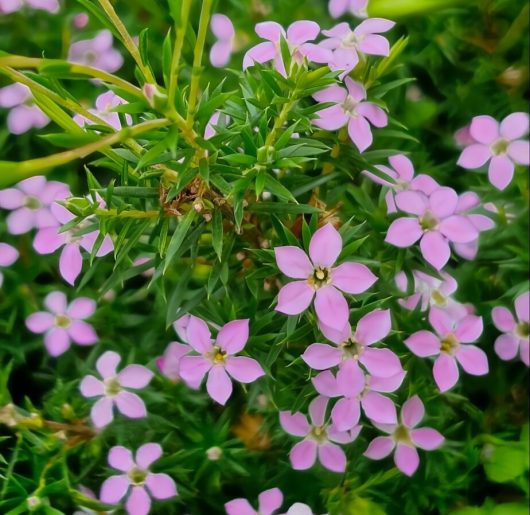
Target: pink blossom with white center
column 50, row 239
column 516, row 332
column 24, row 114
column 64, row 323
column 269, row 501
column 298, row 36
column 223, row 29
column 347, row 44
column 451, row 345
column 401, row 171
column 319, row 438
column 350, row 109
column 97, row 53
column 30, row 201
column 8, row 255
column 112, row 390
column 354, row 347
column 467, row 203
column 358, row 390
column 431, row 291
column 10, row 6
column 137, row 482
column 435, row 224
column 319, row 279
column 105, row 103
column 405, row 437
column 500, row 144
column 217, row 358
column 356, row 7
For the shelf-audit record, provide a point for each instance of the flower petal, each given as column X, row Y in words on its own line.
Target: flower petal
column 331, row 307
column 239, row 507
column 219, row 385
column 379, row 408
column 500, row 172
column 138, row 502
column 113, row 489
column 269, row 30
column 192, row 369
column 303, row 455
column 469, row 329
column 147, row 454
column 373, row 113
column 522, row 307
column 233, row 336
column 458, row 229
column 332, row 457
column 48, row 240
column 56, row 302
column 441, row 321
column 474, row 156
column 120, row 458
column 330, row 118
column 506, row 346
column 346, row 413
column 326, row 384
column 445, row 372
column 350, row 378
column 426, row 438
column 514, row 126
column 294, row 423
column 360, row 133
column 130, row 405
column 90, row 386
column 301, row 31
column 244, row 370
column 82, row 333
column 423, row 343
column 373, row 327
column 406, row 459
column 412, row 412
column 435, row 249
column 484, row 129
column 260, row 53
column 317, row 410
column 81, row 307
column 161, row 486
column 325, row 246
column 70, row 263
column 293, row 262
column 135, row 376
column 222, row 27
column 107, row 363
column 519, row 151
column 320, row 356
column 101, row 413
column 352, row 277
column 404, row 232
column 379, row 448
column 56, row 341
column 270, row 501
column 412, row 202
column 199, row 336
column 40, row 322
column 380, row 362
column 473, row 360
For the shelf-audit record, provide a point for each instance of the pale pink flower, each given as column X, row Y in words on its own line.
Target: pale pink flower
column 319, row 438
column 142, row 260
column 80, row 20
column 500, row 144
column 223, row 29
column 137, row 482
column 217, row 359
column 405, row 437
column 435, row 224
column 269, row 501
column 10, row 6
column 299, row 508
column 30, row 201
column 105, row 103
column 346, row 44
column 319, row 280
column 359, row 391
column 112, row 390
column 516, row 332
column 401, row 171
column 8, row 255
column 451, row 345
column 217, row 119
column 97, row 52
column 24, row 114
column 298, row 36
column 356, row 7
column 350, row 109
column 63, row 323
column 49, row 239
column 355, row 347
column 463, row 137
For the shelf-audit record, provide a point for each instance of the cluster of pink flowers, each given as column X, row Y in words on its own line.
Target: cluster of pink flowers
column 11, row 6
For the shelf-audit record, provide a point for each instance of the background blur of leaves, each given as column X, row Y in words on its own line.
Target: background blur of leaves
column 467, row 61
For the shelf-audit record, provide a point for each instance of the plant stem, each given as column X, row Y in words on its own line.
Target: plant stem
column 132, row 213
column 197, row 59
column 127, row 40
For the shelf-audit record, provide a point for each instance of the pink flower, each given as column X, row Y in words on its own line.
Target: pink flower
column 269, row 501
column 356, row 7
column 30, row 201
column 24, row 114
column 451, row 345
column 350, row 109
column 105, row 103
column 435, row 224
column 80, row 20
column 500, row 144
column 63, row 323
column 8, row 255
column 353, row 348
column 401, row 171
column 49, row 239
column 516, row 333
column 112, row 390
column 431, row 291
column 346, row 44
column 319, row 280
column 405, row 438
column 223, row 29
column 137, row 482
column 97, row 52
column 318, row 438
column 358, row 390
column 10, row 6
column 216, row 119
column 217, row 359
column 298, row 36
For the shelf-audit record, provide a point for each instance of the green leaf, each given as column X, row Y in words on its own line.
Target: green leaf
column 178, row 236
column 278, row 207
column 217, row 233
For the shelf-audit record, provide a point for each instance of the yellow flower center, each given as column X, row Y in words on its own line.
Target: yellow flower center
column 137, row 476
column 401, row 434
column 218, row 356
column 449, row 344
column 523, row 330
column 320, row 277
column 62, row 321
column 500, row 147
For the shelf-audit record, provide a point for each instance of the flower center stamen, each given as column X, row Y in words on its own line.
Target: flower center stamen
column 428, row 221
column 401, row 434
column 349, row 106
column 319, row 433
column 351, row 348
column 438, row 298
column 112, row 387
column 449, row 344
column 320, row 277
column 62, row 321
column 523, row 330
column 32, row 203
column 218, row 356
column 500, row 147
column 137, row 476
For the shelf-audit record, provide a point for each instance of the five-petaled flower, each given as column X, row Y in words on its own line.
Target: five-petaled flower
column 356, row 7
column 451, row 344
column 97, row 52
column 217, row 358
column 405, row 437
column 223, row 30
column 516, row 332
column 30, row 203
column 319, row 438
column 319, row 280
column 137, row 482
column 350, row 109
column 500, row 144
column 112, row 389
column 268, row 502
column 63, row 323
column 105, row 104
